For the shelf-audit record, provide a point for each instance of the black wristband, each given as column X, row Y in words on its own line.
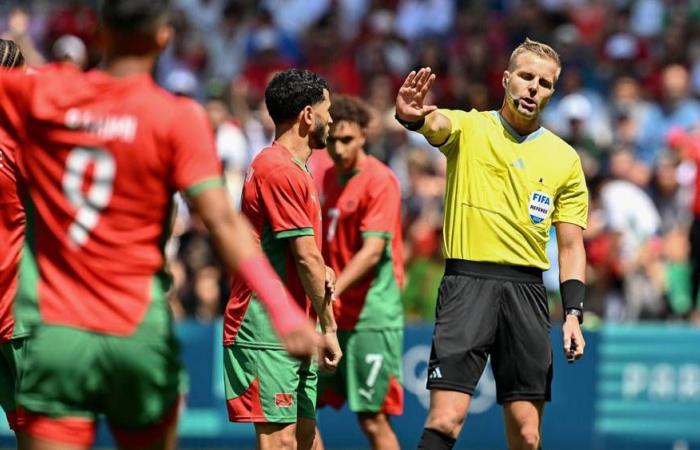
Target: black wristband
column 572, row 294
column 410, row 126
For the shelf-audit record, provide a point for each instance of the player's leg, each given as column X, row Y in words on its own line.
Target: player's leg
column 523, row 421
column 522, row 362
column 465, row 324
column 374, row 391
column 58, row 387
column 271, row 436
column 377, row 428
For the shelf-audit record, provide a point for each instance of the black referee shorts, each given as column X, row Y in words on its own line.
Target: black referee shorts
column 486, row 309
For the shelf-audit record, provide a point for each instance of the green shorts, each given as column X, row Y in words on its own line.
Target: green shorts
column 11, row 357
column 72, row 376
column 369, row 375
column 268, row 386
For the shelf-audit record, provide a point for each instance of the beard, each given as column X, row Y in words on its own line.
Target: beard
column 318, row 135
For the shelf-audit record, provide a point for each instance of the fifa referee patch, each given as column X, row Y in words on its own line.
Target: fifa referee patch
column 540, row 204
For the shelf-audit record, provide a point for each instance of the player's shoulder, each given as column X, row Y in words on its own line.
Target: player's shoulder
column 276, row 161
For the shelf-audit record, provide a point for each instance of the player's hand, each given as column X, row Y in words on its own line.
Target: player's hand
column 329, row 355
column 409, row 101
column 302, row 342
column 574, row 344
column 330, row 284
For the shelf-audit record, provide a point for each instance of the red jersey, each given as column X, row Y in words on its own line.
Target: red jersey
column 102, row 158
column 11, row 236
column 280, row 200
column 368, row 203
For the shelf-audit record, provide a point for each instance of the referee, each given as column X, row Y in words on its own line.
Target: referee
column 508, row 181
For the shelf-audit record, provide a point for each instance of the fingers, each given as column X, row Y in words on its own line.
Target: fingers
column 409, row 79
column 424, row 88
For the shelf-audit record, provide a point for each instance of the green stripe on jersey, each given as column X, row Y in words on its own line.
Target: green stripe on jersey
column 26, row 306
column 294, row 233
column 203, row 185
column 383, row 309
column 382, row 234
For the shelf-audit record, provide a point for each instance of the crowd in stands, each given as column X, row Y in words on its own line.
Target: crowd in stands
column 630, row 83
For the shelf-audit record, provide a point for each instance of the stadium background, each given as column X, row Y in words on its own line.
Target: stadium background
column 631, row 73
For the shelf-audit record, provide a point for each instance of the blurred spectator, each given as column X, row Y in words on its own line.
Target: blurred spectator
column 18, row 30
column 231, row 145
column 678, row 109
column 70, row 49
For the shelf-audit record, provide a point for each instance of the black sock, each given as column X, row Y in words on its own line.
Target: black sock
column 434, row 440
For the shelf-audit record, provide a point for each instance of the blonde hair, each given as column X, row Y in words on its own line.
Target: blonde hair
column 538, row 48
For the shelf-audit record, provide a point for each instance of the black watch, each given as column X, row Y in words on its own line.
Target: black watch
column 574, row 312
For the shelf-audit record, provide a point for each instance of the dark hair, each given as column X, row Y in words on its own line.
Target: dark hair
column 291, row 91
column 349, row 109
column 10, row 54
column 137, row 16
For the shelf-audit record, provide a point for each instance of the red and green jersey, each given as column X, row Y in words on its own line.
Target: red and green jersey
column 11, row 236
column 102, row 158
column 368, row 203
column 280, row 200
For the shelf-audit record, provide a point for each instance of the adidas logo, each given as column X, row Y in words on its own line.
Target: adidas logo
column 518, row 164
column 434, row 373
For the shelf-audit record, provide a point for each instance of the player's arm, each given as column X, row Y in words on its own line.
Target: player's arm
column 312, row 272
column 572, row 276
column 361, row 264
column 233, row 238
column 413, row 114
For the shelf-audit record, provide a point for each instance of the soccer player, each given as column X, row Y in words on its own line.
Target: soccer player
column 508, row 181
column 263, row 385
column 101, row 156
column 362, row 243
column 12, row 335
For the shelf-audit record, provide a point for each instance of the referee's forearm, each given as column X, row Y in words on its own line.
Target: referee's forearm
column 572, row 263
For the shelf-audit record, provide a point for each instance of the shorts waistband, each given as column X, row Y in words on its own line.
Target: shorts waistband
column 493, row 270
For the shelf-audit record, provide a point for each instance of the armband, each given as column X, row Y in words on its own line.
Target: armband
column 572, row 294
column 410, row 126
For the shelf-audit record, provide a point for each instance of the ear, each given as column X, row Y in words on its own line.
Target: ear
column 306, row 116
column 505, row 79
column 164, row 34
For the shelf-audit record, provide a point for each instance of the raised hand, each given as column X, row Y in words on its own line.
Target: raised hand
column 410, row 99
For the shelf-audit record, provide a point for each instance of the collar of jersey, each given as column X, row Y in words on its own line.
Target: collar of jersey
column 519, row 138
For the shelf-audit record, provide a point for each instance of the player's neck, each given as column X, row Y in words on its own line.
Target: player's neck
column 295, row 144
column 520, row 124
column 125, row 66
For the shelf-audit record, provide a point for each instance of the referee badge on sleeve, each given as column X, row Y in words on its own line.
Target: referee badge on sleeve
column 540, row 204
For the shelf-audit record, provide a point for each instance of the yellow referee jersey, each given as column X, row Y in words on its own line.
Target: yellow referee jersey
column 505, row 190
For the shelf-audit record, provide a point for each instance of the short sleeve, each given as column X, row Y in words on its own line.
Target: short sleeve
column 461, row 123
column 15, row 95
column 383, row 209
column 284, row 193
column 571, row 205
column 196, row 166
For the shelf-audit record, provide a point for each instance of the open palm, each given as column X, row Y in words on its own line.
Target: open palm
column 410, row 99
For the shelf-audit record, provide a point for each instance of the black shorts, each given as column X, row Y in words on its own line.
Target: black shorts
column 486, row 309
